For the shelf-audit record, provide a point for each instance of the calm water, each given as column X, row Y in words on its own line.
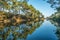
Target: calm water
column 43, row 30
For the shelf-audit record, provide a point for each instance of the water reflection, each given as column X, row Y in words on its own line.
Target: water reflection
column 45, row 32
column 57, row 24
column 17, row 32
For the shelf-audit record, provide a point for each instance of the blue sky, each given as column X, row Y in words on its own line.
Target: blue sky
column 42, row 6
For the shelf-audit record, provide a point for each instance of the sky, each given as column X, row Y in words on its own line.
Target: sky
column 42, row 6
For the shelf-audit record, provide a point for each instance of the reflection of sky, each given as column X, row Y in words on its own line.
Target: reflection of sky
column 42, row 6
column 45, row 32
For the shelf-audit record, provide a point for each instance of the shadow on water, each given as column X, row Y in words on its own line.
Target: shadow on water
column 45, row 32
column 41, row 30
column 18, row 32
column 57, row 24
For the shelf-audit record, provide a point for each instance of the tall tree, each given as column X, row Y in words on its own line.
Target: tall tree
column 54, row 4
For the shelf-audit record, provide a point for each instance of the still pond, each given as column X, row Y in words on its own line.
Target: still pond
column 43, row 30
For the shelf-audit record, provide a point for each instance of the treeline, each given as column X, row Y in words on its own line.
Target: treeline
column 20, row 7
column 55, row 17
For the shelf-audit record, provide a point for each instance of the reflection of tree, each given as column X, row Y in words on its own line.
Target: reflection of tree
column 57, row 24
column 19, row 32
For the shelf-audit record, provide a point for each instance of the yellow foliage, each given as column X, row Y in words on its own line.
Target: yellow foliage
column 1, row 12
column 13, row 0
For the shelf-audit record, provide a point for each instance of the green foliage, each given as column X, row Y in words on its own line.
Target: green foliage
column 54, row 4
column 15, row 6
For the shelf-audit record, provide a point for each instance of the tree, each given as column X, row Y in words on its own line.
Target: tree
column 54, row 4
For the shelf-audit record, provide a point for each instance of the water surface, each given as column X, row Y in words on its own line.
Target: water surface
column 43, row 30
